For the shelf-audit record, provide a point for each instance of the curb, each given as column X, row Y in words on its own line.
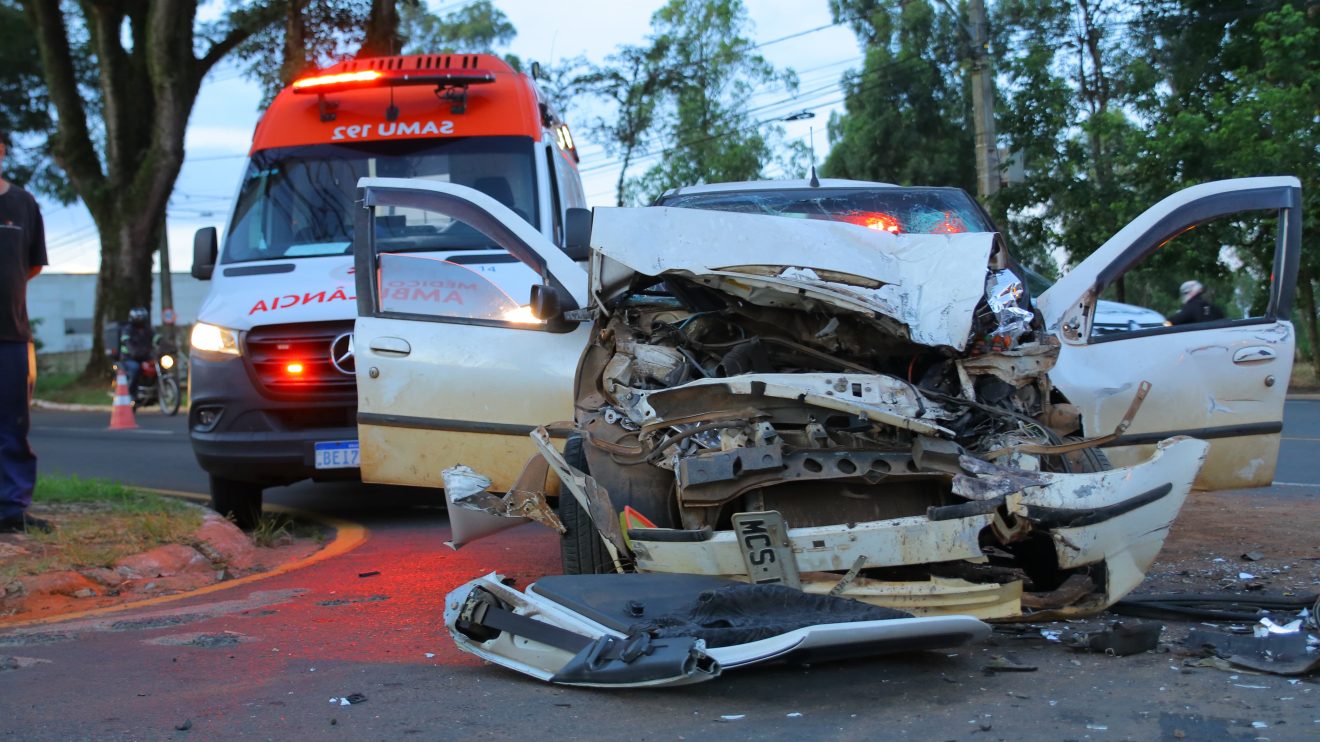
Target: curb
column 44, row 404
column 348, row 536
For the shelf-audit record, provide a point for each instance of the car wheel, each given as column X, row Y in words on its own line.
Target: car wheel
column 1087, row 460
column 238, row 500
column 169, row 396
column 581, row 549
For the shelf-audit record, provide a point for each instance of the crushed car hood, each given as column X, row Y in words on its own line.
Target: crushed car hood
column 930, row 284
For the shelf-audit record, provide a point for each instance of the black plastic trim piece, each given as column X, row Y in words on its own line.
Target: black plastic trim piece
column 461, row 426
column 1070, row 518
column 1226, row 431
column 671, row 535
column 258, row 270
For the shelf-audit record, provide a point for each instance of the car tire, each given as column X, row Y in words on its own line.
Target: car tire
column 1087, row 460
column 240, row 501
column 581, row 549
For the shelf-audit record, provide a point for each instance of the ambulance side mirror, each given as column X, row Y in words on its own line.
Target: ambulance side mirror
column 545, row 302
column 577, row 233
column 205, row 249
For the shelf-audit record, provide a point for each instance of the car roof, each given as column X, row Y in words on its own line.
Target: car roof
column 772, row 185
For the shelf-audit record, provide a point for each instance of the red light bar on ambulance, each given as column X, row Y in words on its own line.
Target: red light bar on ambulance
column 341, row 81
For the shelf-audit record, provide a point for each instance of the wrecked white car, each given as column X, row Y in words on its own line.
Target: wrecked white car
column 858, row 412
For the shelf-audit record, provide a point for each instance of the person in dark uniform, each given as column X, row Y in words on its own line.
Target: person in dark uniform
column 22, row 253
column 137, row 343
column 1195, row 308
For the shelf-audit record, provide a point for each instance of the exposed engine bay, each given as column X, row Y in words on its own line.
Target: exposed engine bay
column 868, row 432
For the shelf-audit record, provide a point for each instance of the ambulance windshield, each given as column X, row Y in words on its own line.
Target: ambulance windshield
column 297, row 202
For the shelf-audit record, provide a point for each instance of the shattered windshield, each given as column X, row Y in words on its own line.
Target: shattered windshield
column 297, row 202
column 884, row 208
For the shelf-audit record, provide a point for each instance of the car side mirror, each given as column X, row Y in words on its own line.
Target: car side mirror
column 205, row 249
column 545, row 302
column 577, row 233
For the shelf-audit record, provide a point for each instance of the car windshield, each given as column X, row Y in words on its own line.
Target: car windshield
column 886, row 208
column 297, row 202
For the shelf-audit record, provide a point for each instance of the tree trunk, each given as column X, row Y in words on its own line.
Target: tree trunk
column 382, row 35
column 146, row 92
column 1307, row 294
column 295, row 41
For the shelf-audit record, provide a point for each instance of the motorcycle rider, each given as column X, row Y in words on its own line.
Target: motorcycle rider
column 137, row 340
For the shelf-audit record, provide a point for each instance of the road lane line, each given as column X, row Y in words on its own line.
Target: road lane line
column 1299, row 438
column 1296, row 484
column 348, row 536
column 134, row 431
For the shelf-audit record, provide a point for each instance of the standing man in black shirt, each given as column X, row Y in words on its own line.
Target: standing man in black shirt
column 22, row 253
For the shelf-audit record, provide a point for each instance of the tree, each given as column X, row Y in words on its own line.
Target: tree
column 713, row 70
column 23, row 103
column 309, row 34
column 122, row 153
column 474, row 28
column 633, row 80
column 907, row 112
column 1255, row 117
column 1071, row 79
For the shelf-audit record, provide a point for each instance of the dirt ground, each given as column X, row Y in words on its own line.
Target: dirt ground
column 1204, row 551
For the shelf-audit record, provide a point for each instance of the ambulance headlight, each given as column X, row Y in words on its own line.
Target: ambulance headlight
column 210, row 340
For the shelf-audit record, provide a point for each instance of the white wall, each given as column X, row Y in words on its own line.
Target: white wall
column 64, row 302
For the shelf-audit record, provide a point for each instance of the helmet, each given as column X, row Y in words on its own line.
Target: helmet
column 1189, row 289
column 138, row 315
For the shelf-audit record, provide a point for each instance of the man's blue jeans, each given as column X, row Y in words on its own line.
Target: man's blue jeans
column 18, row 465
column 132, row 370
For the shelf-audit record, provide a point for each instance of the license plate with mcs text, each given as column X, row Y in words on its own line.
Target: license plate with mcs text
column 766, row 551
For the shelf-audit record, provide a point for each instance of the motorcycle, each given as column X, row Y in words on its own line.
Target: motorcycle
column 156, row 384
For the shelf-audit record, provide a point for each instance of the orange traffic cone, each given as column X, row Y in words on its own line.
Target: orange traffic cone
column 121, row 415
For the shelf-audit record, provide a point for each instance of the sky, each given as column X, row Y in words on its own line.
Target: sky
column 796, row 34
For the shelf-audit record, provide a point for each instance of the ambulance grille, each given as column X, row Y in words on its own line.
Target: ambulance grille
column 294, row 361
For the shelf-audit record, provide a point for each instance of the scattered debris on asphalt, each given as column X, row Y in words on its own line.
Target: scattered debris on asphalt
column 474, row 512
column 350, row 601
column 1120, row 639
column 999, row 663
column 185, row 726
column 372, row 573
column 1253, row 556
column 348, row 700
column 1271, row 647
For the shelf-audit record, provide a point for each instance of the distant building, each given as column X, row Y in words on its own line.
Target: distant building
column 64, row 304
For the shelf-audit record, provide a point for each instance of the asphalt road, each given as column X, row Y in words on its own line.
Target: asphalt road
column 263, row 660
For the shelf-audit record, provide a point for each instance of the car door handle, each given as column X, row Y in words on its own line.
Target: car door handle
column 1254, row 354
column 390, row 346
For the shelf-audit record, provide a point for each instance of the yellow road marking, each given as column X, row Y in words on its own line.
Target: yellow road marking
column 348, row 536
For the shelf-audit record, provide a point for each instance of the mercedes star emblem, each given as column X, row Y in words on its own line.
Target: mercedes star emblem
column 341, row 354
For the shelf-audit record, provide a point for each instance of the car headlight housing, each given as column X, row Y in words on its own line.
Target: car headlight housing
column 212, row 340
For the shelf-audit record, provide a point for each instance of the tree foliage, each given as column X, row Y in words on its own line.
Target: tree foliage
column 710, row 69
column 116, row 137
column 907, row 113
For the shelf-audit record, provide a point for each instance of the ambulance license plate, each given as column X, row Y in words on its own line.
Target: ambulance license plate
column 336, row 455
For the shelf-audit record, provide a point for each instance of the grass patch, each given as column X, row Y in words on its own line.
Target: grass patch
column 1304, row 378
column 96, row 523
column 274, row 528
column 64, row 386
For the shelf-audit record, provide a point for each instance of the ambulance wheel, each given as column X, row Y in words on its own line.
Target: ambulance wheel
column 581, row 549
column 240, row 501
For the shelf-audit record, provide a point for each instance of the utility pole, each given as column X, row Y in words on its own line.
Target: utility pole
column 166, row 288
column 983, row 102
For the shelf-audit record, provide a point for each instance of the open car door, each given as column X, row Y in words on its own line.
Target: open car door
column 453, row 365
column 1221, row 380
